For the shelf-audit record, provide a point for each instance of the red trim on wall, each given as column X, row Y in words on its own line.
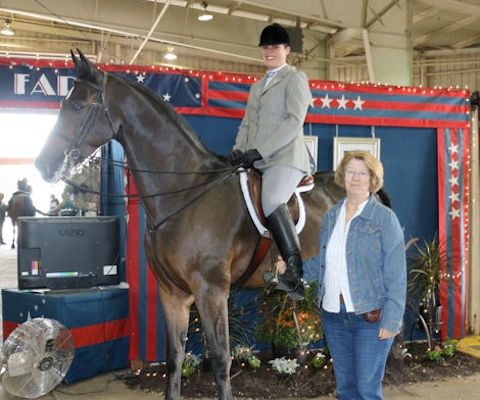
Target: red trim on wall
column 86, row 335
column 100, row 333
column 8, row 328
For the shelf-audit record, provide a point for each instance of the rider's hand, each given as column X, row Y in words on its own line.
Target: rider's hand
column 250, row 157
column 281, row 265
column 235, row 158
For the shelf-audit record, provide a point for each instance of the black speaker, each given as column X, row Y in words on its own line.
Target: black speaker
column 296, row 39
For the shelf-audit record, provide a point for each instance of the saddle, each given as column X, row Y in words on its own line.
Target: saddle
column 255, row 190
column 251, row 184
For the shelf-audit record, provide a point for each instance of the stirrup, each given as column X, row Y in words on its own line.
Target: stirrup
column 272, row 281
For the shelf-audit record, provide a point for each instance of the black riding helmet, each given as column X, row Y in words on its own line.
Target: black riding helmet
column 274, row 34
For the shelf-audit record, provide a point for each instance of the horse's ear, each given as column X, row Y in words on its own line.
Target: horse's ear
column 74, row 59
column 86, row 69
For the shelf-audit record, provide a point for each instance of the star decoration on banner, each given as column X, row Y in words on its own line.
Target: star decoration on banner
column 453, row 164
column 455, row 213
column 197, row 95
column 454, row 197
column 140, row 78
column 166, row 97
column 326, row 101
column 358, row 104
column 453, row 148
column 338, row 103
column 186, row 79
column 453, row 180
column 342, row 102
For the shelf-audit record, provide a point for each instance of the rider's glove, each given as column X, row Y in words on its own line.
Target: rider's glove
column 249, row 157
column 235, row 158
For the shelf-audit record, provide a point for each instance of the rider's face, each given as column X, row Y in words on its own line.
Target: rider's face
column 274, row 55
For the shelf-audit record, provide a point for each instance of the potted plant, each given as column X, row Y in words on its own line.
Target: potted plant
column 423, row 284
column 288, row 325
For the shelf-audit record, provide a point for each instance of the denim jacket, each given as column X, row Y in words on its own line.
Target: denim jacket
column 376, row 264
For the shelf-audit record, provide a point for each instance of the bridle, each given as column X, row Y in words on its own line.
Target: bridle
column 73, row 152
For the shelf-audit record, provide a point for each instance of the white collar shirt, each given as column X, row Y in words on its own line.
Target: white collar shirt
column 336, row 273
column 271, row 74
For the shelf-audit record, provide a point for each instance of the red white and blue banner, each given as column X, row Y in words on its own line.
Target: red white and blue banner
column 453, row 166
column 29, row 84
column 42, row 85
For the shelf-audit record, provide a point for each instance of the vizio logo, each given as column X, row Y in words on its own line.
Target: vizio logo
column 71, row 232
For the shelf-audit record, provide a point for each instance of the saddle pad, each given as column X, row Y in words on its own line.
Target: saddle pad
column 251, row 209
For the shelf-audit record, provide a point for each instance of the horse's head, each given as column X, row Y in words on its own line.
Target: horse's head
column 82, row 125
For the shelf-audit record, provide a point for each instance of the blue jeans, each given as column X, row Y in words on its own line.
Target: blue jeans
column 359, row 357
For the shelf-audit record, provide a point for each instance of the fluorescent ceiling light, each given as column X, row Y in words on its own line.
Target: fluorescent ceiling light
column 170, row 55
column 7, row 30
column 205, row 17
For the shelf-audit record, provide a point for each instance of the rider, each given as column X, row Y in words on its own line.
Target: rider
column 24, row 189
column 270, row 138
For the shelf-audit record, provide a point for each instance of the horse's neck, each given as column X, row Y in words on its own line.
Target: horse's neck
column 163, row 148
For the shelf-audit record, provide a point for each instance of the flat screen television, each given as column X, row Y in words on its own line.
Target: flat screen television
column 68, row 252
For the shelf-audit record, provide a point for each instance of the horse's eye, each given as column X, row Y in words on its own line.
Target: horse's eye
column 77, row 105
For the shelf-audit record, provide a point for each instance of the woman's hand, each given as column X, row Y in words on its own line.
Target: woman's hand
column 385, row 334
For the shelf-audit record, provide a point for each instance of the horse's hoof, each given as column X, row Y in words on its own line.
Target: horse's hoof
column 13, row 246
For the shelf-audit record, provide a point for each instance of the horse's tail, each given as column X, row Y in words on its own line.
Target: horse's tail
column 384, row 198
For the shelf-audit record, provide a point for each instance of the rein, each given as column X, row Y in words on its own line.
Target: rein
column 73, row 153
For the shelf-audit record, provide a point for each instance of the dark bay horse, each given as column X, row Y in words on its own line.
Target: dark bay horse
column 19, row 205
column 200, row 240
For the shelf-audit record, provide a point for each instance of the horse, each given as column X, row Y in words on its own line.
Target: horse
column 200, row 237
column 19, row 205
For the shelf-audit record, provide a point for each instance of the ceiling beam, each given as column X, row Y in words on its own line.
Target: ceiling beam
column 454, row 26
column 455, row 6
column 150, row 32
column 381, row 13
column 467, row 42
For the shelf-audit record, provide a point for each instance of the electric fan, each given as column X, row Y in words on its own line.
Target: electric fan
column 35, row 357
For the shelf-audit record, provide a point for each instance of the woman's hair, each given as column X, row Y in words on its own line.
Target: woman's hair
column 374, row 167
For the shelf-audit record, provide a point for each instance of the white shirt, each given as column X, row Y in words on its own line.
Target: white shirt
column 271, row 74
column 336, row 274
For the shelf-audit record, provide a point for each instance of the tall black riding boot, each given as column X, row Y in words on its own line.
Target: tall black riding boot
column 283, row 231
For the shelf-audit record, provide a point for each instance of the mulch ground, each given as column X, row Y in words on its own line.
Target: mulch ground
column 263, row 383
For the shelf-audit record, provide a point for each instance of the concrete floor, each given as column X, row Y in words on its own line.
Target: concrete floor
column 109, row 387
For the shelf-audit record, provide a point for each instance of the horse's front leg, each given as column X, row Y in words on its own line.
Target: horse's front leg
column 176, row 307
column 212, row 305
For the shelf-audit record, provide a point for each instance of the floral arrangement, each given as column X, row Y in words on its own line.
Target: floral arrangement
column 284, row 366
column 438, row 353
column 318, row 360
column 244, row 355
column 190, row 365
column 279, row 312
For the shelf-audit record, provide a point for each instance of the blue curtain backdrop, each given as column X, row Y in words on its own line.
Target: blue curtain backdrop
column 409, row 157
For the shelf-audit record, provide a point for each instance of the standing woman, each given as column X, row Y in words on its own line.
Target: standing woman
column 270, row 138
column 361, row 270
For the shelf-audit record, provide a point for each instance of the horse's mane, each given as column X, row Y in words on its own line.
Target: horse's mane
column 166, row 109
